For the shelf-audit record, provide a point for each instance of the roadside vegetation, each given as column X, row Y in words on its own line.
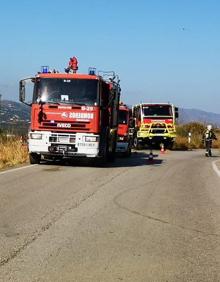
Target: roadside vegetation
column 196, row 129
column 12, row 151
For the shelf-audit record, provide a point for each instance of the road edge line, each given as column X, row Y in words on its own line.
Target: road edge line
column 214, row 166
column 16, row 169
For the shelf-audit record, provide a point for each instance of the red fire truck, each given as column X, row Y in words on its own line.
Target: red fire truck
column 124, row 139
column 72, row 115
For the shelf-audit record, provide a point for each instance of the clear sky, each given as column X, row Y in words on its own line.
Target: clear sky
column 163, row 50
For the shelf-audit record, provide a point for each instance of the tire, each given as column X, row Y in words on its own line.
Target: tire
column 102, row 159
column 34, row 158
column 136, row 144
column 105, row 154
column 111, row 155
column 169, row 146
column 127, row 154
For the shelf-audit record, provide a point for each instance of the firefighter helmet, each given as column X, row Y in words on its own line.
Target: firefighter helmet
column 209, row 127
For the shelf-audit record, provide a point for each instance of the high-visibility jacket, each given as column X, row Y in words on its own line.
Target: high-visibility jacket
column 209, row 135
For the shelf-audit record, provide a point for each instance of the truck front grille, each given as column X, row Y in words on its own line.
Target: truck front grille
column 158, row 130
column 62, row 138
column 77, row 126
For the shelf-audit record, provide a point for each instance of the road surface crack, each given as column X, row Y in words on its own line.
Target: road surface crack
column 37, row 234
column 157, row 219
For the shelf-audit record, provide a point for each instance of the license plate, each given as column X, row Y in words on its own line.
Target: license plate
column 86, row 144
column 63, row 139
column 62, row 148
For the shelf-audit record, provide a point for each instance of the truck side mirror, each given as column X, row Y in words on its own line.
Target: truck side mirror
column 22, row 91
column 176, row 112
column 26, row 90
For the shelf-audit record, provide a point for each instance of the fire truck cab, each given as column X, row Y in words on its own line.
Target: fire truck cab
column 73, row 115
column 124, row 143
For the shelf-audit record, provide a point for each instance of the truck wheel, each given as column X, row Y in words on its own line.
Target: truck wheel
column 170, row 145
column 34, row 158
column 128, row 153
column 111, row 155
column 102, row 160
column 136, row 144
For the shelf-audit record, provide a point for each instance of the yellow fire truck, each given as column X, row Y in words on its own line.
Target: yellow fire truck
column 154, row 124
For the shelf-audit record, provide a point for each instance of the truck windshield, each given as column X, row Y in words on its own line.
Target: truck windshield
column 157, row 110
column 67, row 91
column 122, row 117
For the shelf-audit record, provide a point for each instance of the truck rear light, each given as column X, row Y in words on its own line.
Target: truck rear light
column 35, row 135
column 91, row 139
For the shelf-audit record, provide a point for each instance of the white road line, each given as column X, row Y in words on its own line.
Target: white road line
column 16, row 169
column 216, row 168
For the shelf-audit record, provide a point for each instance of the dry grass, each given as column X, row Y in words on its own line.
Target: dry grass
column 12, row 152
column 181, row 143
column 216, row 143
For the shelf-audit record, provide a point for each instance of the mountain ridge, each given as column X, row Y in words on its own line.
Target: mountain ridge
column 195, row 115
column 12, row 111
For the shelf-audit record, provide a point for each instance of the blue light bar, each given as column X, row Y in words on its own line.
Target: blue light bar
column 44, row 69
column 92, row 71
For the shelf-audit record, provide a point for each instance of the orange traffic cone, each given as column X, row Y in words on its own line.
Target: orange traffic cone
column 162, row 150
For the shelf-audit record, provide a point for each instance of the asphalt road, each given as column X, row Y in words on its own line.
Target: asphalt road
column 132, row 221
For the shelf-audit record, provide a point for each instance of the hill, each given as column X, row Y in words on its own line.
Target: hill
column 12, row 111
column 190, row 115
column 14, row 117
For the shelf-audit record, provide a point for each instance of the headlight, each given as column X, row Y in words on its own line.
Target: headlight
column 34, row 135
column 145, row 127
column 91, row 138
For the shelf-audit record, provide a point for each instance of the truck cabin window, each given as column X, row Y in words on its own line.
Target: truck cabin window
column 157, row 110
column 67, row 91
column 122, row 117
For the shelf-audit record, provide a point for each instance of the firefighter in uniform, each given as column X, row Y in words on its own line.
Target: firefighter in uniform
column 208, row 136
